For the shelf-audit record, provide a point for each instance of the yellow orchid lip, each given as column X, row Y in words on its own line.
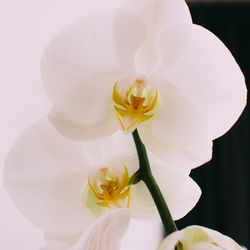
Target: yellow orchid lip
column 112, row 189
column 135, row 106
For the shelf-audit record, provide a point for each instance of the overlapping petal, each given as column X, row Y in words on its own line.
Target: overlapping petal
column 47, row 176
column 206, row 74
column 92, row 52
column 157, row 14
column 197, row 237
column 180, row 192
column 180, row 157
column 160, row 13
column 77, row 131
column 178, row 121
column 105, row 233
column 44, row 174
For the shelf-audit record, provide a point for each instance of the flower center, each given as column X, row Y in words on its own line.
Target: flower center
column 108, row 189
column 134, row 102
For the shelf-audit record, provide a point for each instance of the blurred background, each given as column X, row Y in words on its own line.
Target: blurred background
column 225, row 203
column 27, row 26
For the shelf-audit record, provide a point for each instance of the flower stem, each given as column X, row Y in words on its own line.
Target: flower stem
column 147, row 177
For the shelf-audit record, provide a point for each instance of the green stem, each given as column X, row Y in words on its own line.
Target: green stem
column 147, row 177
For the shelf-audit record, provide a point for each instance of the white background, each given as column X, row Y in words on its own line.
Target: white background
column 26, row 26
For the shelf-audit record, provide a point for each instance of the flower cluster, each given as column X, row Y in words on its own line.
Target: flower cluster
column 142, row 67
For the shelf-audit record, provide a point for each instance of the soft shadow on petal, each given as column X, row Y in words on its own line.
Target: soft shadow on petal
column 100, row 46
column 204, row 246
column 181, row 158
column 118, row 145
column 157, row 14
column 207, row 75
column 178, row 120
column 77, row 131
column 118, row 148
column 89, row 104
column 60, row 242
column 44, row 174
column 172, row 44
column 106, row 232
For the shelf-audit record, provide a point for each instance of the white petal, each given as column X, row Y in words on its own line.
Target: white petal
column 77, row 131
column 81, row 65
column 92, row 53
column 170, row 241
column 172, row 44
column 60, row 242
column 222, row 240
column 111, row 147
column 184, row 199
column 180, row 191
column 190, row 240
column 118, row 146
column 198, row 236
column 157, row 14
column 160, row 13
column 178, row 157
column 89, row 105
column 204, row 246
column 141, row 203
column 200, row 153
column 105, row 233
column 178, row 121
column 44, row 174
column 207, row 75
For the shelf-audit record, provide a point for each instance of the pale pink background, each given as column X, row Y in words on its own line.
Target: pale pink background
column 25, row 28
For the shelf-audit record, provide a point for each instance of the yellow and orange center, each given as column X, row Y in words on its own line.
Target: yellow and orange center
column 135, row 104
column 109, row 190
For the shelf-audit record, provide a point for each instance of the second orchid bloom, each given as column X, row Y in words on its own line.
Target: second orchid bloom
column 63, row 186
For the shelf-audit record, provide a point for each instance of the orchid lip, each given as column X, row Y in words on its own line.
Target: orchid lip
column 134, row 102
column 109, row 190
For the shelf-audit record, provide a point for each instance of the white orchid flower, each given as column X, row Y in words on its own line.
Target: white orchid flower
column 62, row 186
column 198, row 238
column 144, row 65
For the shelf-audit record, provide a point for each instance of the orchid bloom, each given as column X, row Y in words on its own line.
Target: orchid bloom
column 62, row 186
column 146, row 66
column 198, row 238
